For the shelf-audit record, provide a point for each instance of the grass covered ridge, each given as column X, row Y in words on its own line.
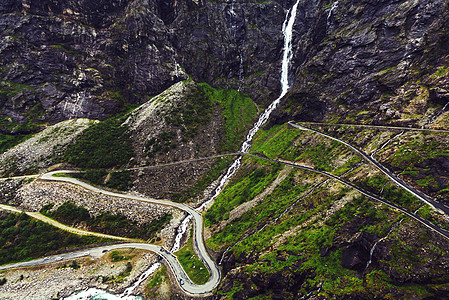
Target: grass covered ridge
column 239, row 113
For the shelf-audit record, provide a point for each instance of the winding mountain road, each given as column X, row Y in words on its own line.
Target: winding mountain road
column 426, row 223
column 399, row 182
column 380, row 127
column 188, row 286
column 198, row 242
column 20, row 177
column 170, row 259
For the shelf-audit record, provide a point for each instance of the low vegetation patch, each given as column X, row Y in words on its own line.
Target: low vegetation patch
column 113, row 224
column 22, row 238
column 103, row 145
column 7, row 141
column 118, row 180
column 116, row 256
column 280, row 141
column 246, row 185
column 155, row 281
column 120, row 277
column 239, row 112
column 416, row 151
column 390, row 191
column 194, row 267
column 195, row 110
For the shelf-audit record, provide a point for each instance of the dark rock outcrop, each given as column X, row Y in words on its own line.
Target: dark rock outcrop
column 69, row 59
column 356, row 254
column 362, row 55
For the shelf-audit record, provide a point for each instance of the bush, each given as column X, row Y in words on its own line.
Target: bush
column 103, row 145
column 74, row 265
column 120, row 181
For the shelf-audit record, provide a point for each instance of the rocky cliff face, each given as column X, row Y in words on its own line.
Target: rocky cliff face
column 69, row 59
column 73, row 59
column 374, row 57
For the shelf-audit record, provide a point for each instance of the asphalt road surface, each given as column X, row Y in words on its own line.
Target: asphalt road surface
column 399, row 182
column 198, row 242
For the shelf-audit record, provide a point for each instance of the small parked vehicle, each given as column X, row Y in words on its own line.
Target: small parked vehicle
column 181, row 282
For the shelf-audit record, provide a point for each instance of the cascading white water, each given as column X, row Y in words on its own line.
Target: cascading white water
column 287, row 30
column 331, row 10
column 97, row 294
column 127, row 293
column 371, row 252
column 176, row 246
column 435, row 116
column 233, row 27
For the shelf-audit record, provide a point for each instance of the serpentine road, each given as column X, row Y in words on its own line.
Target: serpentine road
column 188, row 286
column 171, row 260
column 399, row 182
column 380, row 127
column 426, row 223
column 198, row 243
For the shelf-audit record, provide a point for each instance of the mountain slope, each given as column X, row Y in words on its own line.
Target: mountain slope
column 197, row 73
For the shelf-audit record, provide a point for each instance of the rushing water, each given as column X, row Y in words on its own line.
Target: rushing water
column 331, row 10
column 436, row 115
column 385, row 144
column 97, row 294
column 287, row 30
column 233, row 25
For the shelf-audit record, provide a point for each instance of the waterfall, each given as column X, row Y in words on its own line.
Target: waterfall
column 329, row 14
column 233, row 26
column 127, row 293
column 176, row 246
column 371, row 252
column 287, row 30
column 435, row 116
